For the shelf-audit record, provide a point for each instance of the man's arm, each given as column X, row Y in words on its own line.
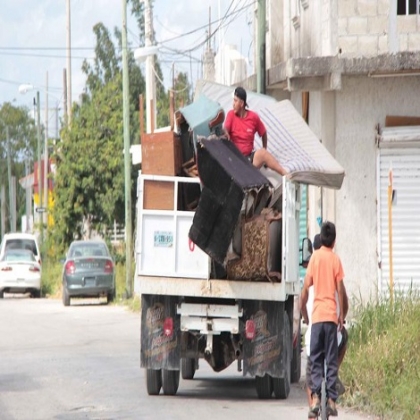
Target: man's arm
column 341, row 292
column 226, row 133
column 304, row 300
column 264, row 140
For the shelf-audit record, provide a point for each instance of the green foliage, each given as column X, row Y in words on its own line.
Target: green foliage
column 182, row 88
column 382, row 363
column 22, row 147
column 51, row 278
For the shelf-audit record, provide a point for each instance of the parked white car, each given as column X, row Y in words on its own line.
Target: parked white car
column 20, row 272
column 20, row 241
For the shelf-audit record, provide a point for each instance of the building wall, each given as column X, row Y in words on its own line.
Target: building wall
column 362, row 104
column 346, row 27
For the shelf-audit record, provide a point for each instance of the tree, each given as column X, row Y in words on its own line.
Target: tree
column 182, row 90
column 22, row 149
column 89, row 182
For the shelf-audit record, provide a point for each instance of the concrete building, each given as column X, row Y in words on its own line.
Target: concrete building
column 353, row 66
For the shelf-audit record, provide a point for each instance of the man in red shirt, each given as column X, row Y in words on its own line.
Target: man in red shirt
column 241, row 124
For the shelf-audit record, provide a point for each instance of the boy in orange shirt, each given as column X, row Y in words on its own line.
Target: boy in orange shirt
column 325, row 273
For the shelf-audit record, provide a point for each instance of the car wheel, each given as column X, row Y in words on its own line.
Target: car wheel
column 66, row 297
column 264, row 386
column 153, row 381
column 282, row 385
column 36, row 294
column 111, row 296
column 1, row 294
column 170, row 381
column 187, row 367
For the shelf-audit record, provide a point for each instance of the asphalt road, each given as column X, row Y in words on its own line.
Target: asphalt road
column 82, row 362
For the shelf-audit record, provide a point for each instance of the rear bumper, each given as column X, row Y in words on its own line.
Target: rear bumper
column 19, row 285
column 78, row 291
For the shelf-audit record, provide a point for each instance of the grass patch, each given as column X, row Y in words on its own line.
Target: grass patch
column 382, row 364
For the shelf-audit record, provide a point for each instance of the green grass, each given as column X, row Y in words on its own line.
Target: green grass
column 382, row 365
column 51, row 283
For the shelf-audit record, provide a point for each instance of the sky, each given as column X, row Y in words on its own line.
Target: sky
column 33, row 40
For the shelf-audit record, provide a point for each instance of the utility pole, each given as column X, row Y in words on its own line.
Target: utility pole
column 150, row 76
column 3, row 209
column 127, row 159
column 45, row 180
column 261, row 21
column 68, row 76
column 9, row 180
column 38, row 117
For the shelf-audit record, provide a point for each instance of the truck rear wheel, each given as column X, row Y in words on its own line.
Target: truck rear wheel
column 153, row 381
column 187, row 368
column 281, row 386
column 170, row 381
column 264, row 386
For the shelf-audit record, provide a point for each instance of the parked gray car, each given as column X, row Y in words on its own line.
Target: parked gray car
column 88, row 271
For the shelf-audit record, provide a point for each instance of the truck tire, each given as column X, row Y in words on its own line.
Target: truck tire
column 153, row 381
column 296, row 359
column 264, row 386
column 281, row 386
column 187, row 368
column 170, row 381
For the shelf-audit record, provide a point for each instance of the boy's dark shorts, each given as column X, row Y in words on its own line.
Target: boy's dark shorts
column 345, row 337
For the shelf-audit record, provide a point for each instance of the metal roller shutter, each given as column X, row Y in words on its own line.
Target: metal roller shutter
column 405, row 164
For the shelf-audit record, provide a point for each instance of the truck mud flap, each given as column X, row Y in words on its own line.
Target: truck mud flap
column 262, row 350
column 160, row 333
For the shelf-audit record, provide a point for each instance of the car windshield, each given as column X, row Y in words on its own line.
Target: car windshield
column 89, row 250
column 28, row 244
column 18, row 255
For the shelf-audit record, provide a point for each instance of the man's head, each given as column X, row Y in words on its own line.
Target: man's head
column 317, row 242
column 239, row 100
column 328, row 234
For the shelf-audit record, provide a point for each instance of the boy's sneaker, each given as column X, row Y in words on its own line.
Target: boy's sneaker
column 339, row 387
column 331, row 408
column 315, row 405
column 312, row 415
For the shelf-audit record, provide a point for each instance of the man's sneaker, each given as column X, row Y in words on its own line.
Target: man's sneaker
column 315, row 404
column 331, row 408
column 312, row 415
column 339, row 387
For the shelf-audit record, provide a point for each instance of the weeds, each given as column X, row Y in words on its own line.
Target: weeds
column 382, row 363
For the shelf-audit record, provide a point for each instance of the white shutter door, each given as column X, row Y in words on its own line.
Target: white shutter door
column 405, row 163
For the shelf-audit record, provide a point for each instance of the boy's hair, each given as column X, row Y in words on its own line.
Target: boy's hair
column 317, row 241
column 328, row 234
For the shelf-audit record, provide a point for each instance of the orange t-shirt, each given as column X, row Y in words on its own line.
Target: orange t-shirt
column 324, row 272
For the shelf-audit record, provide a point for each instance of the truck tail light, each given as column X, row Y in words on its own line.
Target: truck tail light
column 250, row 329
column 70, row 267
column 168, row 327
column 6, row 268
column 34, row 269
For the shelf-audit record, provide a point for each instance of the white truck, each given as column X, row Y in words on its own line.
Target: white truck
column 217, row 267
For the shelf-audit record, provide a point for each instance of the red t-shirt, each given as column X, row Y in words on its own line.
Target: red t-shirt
column 242, row 130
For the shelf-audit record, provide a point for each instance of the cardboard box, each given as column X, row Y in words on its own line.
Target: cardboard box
column 158, row 195
column 161, row 153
